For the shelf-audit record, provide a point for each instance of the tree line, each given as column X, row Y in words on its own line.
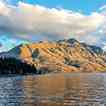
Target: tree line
column 15, row 66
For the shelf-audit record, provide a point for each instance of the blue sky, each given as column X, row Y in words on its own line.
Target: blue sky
column 85, row 6
column 85, row 19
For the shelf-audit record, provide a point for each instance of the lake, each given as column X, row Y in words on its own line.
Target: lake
column 54, row 90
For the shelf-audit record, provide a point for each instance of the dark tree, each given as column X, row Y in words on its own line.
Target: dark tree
column 15, row 66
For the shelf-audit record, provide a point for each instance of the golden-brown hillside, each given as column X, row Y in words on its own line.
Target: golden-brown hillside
column 62, row 56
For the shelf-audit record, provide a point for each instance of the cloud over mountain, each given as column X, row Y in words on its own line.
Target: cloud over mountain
column 26, row 20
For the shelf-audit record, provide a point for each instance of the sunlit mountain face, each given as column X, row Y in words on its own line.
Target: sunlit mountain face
column 68, row 55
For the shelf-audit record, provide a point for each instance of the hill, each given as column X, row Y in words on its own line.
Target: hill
column 61, row 56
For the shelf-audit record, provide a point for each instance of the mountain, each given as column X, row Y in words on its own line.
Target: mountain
column 60, row 56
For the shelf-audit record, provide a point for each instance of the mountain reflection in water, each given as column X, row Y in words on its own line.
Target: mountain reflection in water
column 54, row 90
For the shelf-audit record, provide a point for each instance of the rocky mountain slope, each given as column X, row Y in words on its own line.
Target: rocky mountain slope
column 61, row 56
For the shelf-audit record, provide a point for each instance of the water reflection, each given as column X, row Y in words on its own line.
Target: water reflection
column 54, row 90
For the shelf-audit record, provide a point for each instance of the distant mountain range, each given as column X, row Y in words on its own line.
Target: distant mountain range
column 60, row 56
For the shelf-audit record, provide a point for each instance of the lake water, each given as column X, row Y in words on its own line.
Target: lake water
column 54, row 90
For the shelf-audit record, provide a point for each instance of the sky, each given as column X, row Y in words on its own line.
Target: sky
column 84, row 6
column 24, row 21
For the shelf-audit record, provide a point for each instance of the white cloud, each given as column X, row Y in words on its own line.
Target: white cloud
column 26, row 19
column 103, row 7
column 104, row 46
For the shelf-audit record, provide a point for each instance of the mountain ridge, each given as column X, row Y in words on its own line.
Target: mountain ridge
column 67, row 55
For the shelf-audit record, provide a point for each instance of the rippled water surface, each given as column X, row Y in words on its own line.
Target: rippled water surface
column 54, row 90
